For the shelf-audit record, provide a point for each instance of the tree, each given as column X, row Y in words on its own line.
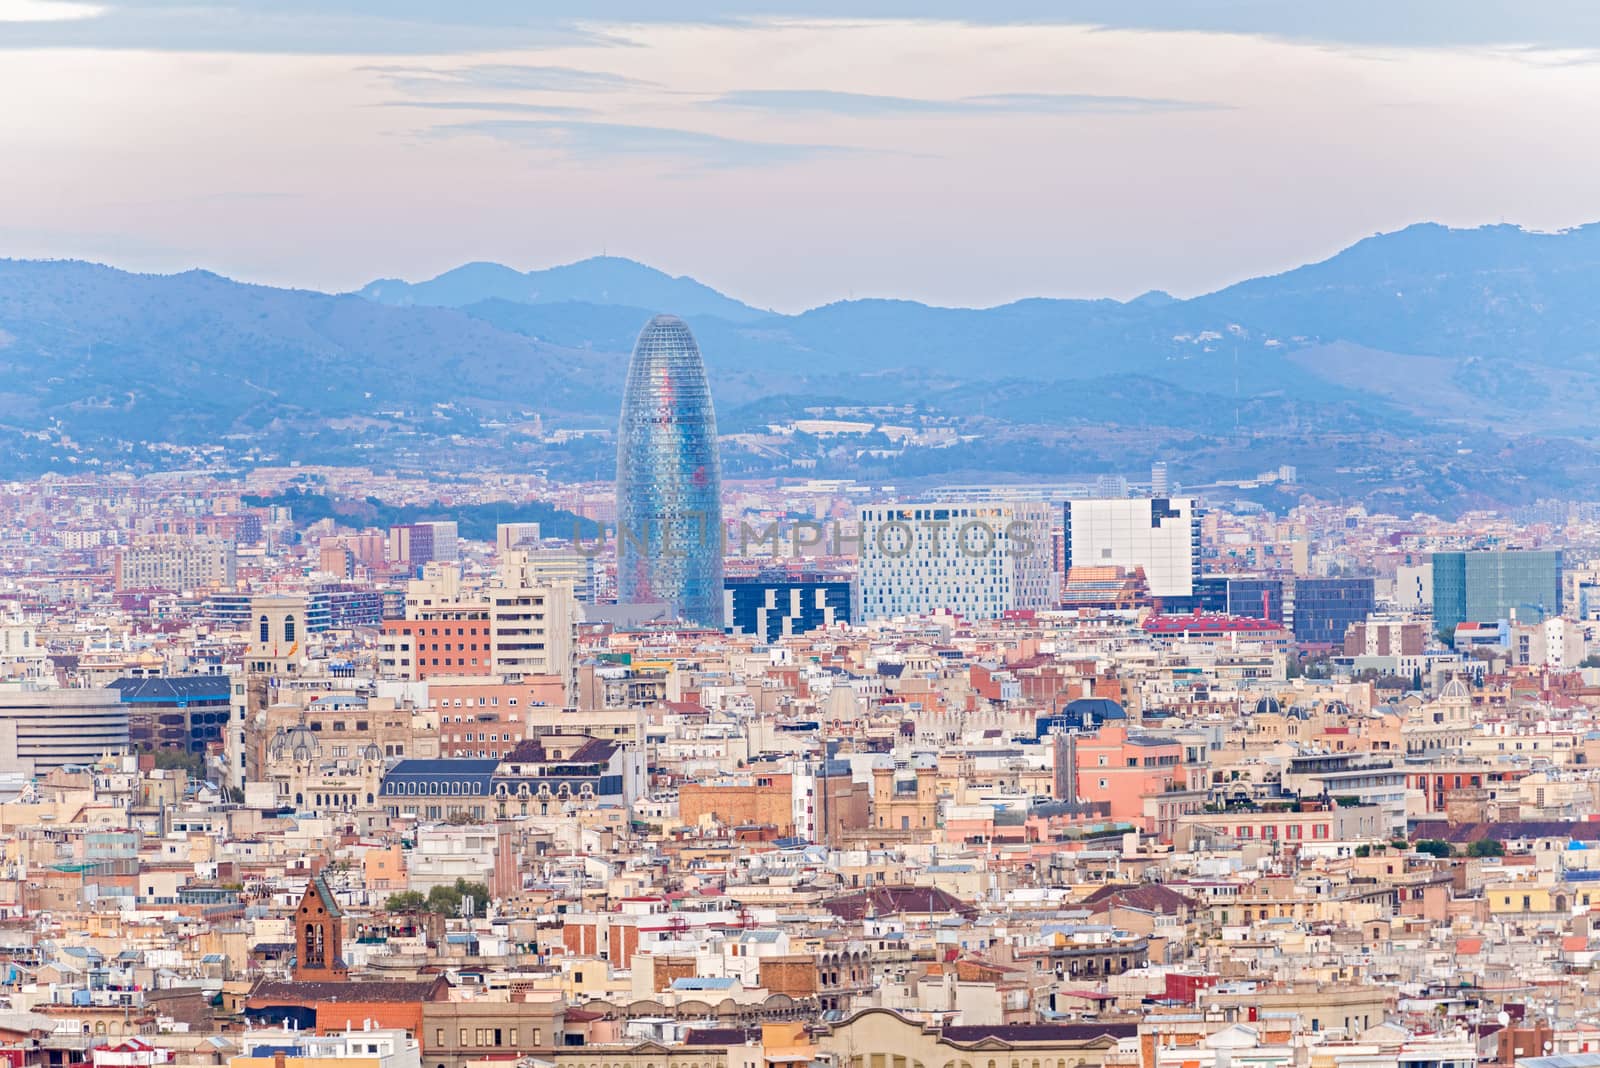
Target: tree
column 1363, row 851
column 1486, row 847
column 1435, row 847
column 194, row 764
column 479, row 892
column 445, row 900
column 1590, row 661
column 405, row 901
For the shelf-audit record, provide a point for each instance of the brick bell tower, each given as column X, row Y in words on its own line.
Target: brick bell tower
column 319, row 936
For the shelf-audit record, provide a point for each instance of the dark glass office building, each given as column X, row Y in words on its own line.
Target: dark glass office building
column 182, row 712
column 772, row 606
column 1324, row 608
column 1257, row 598
column 1488, row 586
column 669, row 479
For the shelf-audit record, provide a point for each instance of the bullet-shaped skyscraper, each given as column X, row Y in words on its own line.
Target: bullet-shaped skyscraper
column 669, row 479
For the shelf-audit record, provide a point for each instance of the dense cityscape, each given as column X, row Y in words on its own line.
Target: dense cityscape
column 705, row 772
column 783, row 534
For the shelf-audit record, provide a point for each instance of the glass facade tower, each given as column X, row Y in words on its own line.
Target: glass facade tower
column 1488, row 586
column 669, row 479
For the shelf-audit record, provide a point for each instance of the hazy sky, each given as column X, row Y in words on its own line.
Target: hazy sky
column 789, row 154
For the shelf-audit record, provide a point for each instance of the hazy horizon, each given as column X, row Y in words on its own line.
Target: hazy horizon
column 789, row 156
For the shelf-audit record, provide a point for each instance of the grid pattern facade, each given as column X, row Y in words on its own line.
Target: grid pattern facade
column 669, row 479
column 1486, row 587
column 1160, row 534
column 1325, row 608
column 175, row 562
column 975, row 560
column 770, row 609
column 1256, row 598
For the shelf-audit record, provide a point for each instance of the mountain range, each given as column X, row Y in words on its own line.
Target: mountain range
column 1439, row 353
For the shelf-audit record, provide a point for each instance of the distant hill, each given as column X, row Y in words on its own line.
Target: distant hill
column 599, row 280
column 195, row 356
column 1457, row 344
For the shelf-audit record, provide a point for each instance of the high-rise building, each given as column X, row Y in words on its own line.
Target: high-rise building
column 975, row 560
column 1413, row 587
column 1490, row 586
column 1160, row 535
column 533, row 631
column 773, row 606
column 1256, row 598
column 1111, row 486
column 176, row 562
column 415, row 544
column 669, row 479
column 1159, row 484
column 1326, row 608
column 541, row 567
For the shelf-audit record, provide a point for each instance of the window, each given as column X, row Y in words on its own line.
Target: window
column 288, row 628
column 265, row 636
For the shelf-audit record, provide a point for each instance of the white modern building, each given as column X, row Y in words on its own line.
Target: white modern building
column 532, row 629
column 1413, row 587
column 47, row 727
column 1159, row 534
column 977, row 560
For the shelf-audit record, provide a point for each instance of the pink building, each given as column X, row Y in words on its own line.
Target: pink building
column 1133, row 773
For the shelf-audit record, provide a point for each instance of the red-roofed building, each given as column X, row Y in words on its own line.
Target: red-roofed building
column 1206, row 628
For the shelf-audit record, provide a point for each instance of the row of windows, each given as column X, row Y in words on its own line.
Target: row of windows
column 489, row 1036
column 431, row 788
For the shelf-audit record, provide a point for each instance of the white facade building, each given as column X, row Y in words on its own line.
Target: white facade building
column 1160, row 534
column 974, row 560
column 532, row 630
column 44, row 727
column 1413, row 587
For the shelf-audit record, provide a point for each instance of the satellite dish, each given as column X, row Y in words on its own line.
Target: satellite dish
column 1504, row 1018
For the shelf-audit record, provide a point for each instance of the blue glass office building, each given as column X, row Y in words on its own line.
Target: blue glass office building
column 770, row 607
column 1488, row 586
column 669, row 479
column 1324, row 608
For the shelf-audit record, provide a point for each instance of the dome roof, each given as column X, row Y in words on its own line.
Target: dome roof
column 1101, row 708
column 298, row 742
column 1268, row 706
column 1455, row 690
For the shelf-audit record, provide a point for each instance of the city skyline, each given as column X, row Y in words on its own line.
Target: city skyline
column 669, row 479
column 580, row 661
